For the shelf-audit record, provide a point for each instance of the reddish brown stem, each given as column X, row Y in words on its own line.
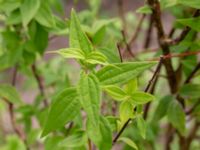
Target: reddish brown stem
column 148, row 35
column 40, row 84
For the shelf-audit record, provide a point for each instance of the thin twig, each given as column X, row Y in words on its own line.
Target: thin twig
column 192, row 73
column 40, row 84
column 162, row 39
column 193, row 107
column 17, row 130
column 186, row 30
column 121, row 12
column 147, row 106
column 119, row 51
column 148, row 34
column 128, row 48
column 137, row 30
column 89, row 144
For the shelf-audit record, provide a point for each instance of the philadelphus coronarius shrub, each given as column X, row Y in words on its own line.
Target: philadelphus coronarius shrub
column 97, row 92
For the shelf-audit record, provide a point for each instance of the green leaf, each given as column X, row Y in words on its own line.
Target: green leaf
column 193, row 23
column 141, row 124
column 77, row 139
column 9, row 93
column 146, row 9
column 161, row 109
column 122, row 72
column 115, row 92
column 190, row 90
column 96, row 58
column 193, row 3
column 44, row 16
column 41, row 38
column 28, row 10
column 176, row 116
column 64, row 108
column 131, row 86
column 78, row 38
column 125, row 111
column 106, row 134
column 13, row 142
column 71, row 53
column 168, row 3
column 112, row 56
column 101, row 135
column 139, row 98
column 89, row 93
column 14, row 18
column 128, row 142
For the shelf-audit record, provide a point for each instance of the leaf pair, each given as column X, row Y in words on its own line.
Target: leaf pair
column 135, row 98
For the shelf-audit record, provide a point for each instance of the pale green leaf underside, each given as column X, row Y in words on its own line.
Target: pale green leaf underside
column 64, row 108
column 122, row 72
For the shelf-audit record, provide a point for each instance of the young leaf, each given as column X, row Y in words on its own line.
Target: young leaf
column 64, row 108
column 96, row 58
column 115, row 92
column 89, row 93
column 71, row 53
column 131, row 86
column 9, row 93
column 77, row 139
column 176, row 116
column 122, row 72
column 141, row 124
column 78, row 38
column 190, row 90
column 139, row 98
column 125, row 111
column 28, row 10
column 111, row 55
column 128, row 142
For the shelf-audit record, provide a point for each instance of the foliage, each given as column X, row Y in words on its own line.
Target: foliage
column 98, row 91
